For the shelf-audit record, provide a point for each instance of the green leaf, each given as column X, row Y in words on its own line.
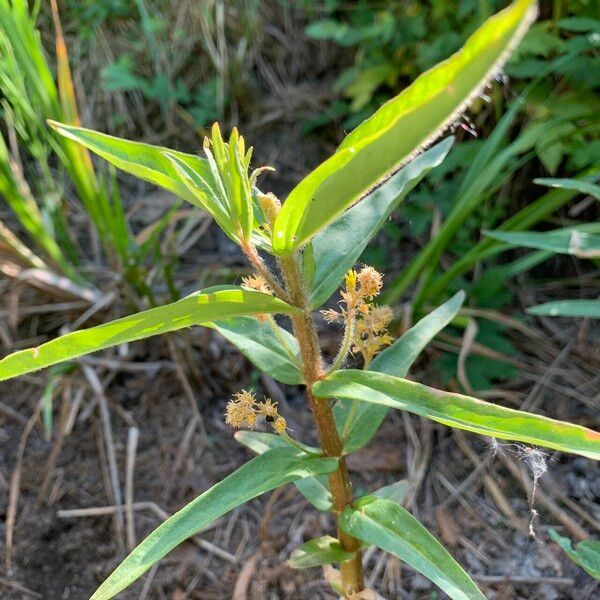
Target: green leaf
column 462, row 412
column 359, row 421
column 578, row 185
column 399, row 129
column 324, row 550
column 142, row 160
column 582, row 241
column 195, row 309
column 395, row 491
column 314, row 489
column 568, row 308
column 340, row 245
column 261, row 343
column 388, row 526
column 266, row 472
column 586, row 554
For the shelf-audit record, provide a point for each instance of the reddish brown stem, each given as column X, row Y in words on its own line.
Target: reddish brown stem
column 313, row 370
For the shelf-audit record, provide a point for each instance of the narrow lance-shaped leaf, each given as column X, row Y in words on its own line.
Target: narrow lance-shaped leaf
column 192, row 310
column 272, row 469
column 270, row 347
column 582, row 241
column 387, row 525
column 358, row 421
column 579, row 185
column 568, row 308
column 462, row 412
column 314, row 489
column 339, row 246
column 399, row 129
column 142, row 160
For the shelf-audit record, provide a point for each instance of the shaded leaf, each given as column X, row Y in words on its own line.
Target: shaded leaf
column 568, row 308
column 586, row 553
column 388, row 526
column 266, row 472
column 582, row 241
column 257, row 341
column 578, row 185
column 324, row 550
column 314, row 489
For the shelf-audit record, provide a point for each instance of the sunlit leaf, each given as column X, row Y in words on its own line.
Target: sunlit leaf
column 192, row 310
column 142, row 160
column 387, row 525
column 462, row 412
column 314, row 489
column 359, row 421
column 339, row 246
column 568, row 308
column 399, row 129
column 268, row 471
column 324, row 550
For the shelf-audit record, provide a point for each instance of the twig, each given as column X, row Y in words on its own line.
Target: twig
column 132, row 440
column 96, row 386
column 15, row 482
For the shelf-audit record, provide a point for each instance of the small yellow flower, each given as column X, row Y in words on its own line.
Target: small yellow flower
column 279, row 425
column 240, row 414
column 350, row 280
column 268, row 409
column 371, row 282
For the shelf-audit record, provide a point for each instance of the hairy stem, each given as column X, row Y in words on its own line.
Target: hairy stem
column 313, row 370
column 259, row 264
column 346, row 343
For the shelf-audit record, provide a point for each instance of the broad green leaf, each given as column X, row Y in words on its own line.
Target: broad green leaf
column 462, row 412
column 142, row 160
column 261, row 342
column 324, row 550
column 266, row 472
column 195, row 309
column 578, row 185
column 399, row 129
column 358, row 421
column 340, row 245
column 582, row 241
column 314, row 489
column 388, row 526
column 568, row 308
column 586, row 554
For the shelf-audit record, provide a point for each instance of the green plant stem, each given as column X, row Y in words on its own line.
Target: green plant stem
column 313, row 370
column 345, row 345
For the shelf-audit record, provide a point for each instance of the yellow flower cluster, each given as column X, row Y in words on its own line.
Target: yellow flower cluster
column 243, row 410
column 371, row 334
column 367, row 321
